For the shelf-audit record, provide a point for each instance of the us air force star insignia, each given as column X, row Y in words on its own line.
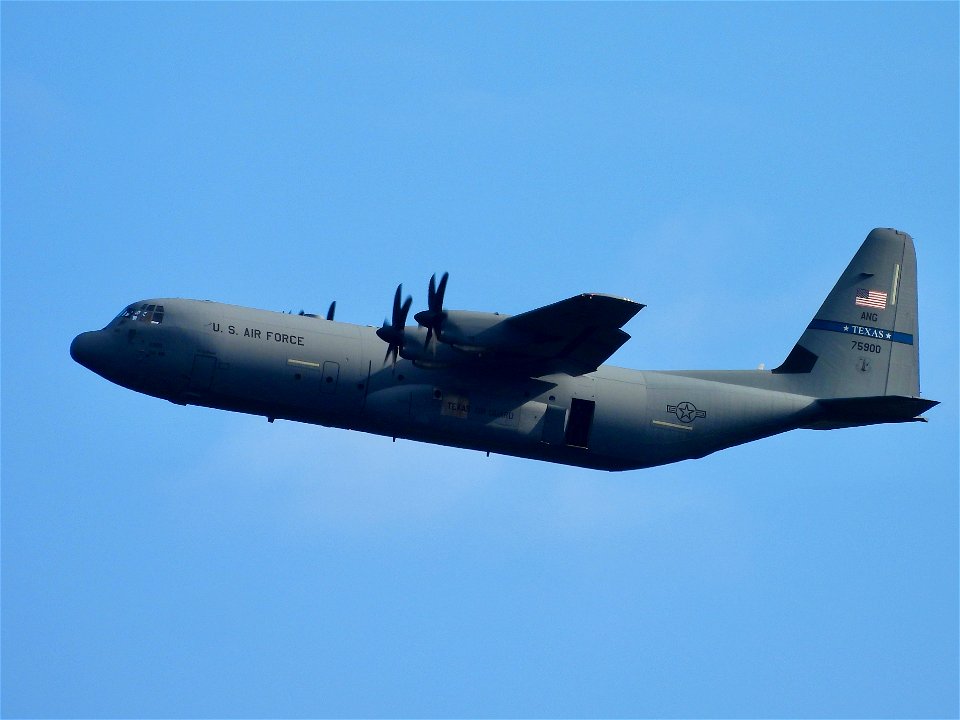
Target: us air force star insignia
column 686, row 412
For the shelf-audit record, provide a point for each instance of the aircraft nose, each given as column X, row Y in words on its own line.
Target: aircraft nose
column 85, row 349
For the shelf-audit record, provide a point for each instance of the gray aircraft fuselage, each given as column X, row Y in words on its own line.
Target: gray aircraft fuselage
column 313, row 370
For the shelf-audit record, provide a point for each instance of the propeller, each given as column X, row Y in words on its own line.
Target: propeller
column 432, row 318
column 392, row 333
column 332, row 310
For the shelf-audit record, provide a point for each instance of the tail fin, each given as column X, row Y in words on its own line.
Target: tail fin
column 864, row 341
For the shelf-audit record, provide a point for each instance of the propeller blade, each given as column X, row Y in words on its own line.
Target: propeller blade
column 400, row 311
column 332, row 310
column 432, row 318
column 441, row 290
column 432, row 291
column 392, row 332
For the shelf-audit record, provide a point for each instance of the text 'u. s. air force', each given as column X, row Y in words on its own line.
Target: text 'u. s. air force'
column 258, row 334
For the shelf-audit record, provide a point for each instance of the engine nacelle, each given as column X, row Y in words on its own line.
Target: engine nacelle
column 435, row 355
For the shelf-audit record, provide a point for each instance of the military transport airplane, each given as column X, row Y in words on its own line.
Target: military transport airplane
column 531, row 385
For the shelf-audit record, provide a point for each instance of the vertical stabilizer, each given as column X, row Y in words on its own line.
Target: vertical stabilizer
column 864, row 340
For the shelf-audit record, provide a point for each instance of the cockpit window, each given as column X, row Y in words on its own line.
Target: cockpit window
column 142, row 313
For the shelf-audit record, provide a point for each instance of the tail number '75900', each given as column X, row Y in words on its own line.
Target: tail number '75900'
column 865, row 347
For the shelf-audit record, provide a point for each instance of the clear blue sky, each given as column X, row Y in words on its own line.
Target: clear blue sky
column 718, row 162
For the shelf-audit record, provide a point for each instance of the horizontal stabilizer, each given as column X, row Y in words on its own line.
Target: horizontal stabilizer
column 857, row 411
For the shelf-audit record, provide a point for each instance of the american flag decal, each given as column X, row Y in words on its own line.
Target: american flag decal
column 872, row 299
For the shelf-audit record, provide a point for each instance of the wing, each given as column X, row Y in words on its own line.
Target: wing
column 575, row 335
